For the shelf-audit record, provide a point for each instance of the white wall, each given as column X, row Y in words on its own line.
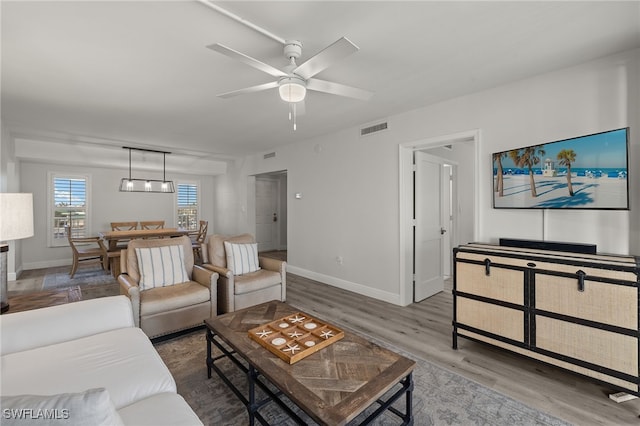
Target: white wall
column 10, row 182
column 350, row 184
column 107, row 205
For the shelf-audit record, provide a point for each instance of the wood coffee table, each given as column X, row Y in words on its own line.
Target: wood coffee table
column 332, row 386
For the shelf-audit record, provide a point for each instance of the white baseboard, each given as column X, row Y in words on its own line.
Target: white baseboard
column 47, row 264
column 385, row 296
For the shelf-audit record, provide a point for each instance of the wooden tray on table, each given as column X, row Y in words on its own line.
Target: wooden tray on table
column 294, row 337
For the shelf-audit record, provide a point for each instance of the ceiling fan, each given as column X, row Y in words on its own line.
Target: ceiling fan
column 294, row 80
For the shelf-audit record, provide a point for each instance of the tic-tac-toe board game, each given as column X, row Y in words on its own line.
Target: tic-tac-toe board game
column 295, row 336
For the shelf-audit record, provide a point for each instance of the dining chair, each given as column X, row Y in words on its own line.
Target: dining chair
column 86, row 249
column 197, row 239
column 152, row 224
column 123, row 226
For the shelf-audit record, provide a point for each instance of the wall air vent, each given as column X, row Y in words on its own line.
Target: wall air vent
column 269, row 155
column 372, row 129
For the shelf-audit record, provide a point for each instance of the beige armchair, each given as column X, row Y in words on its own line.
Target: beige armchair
column 237, row 291
column 169, row 299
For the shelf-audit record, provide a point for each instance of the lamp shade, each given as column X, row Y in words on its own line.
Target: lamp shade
column 16, row 216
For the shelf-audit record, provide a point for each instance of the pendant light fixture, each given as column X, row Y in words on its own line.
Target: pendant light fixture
column 147, row 185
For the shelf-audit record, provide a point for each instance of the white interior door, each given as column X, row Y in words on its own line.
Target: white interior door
column 429, row 229
column 447, row 218
column 267, row 235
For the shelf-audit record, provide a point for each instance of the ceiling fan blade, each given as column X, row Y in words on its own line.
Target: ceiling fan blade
column 338, row 89
column 252, row 89
column 323, row 59
column 234, row 54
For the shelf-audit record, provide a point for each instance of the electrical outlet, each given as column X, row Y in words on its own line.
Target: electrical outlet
column 339, row 260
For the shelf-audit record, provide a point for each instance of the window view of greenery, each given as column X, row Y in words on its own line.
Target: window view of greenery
column 70, row 207
column 187, row 206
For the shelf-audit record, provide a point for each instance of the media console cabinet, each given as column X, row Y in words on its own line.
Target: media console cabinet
column 576, row 311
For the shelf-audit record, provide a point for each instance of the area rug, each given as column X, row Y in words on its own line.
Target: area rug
column 441, row 397
column 84, row 276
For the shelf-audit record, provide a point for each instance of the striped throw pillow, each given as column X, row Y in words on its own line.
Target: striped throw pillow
column 161, row 266
column 242, row 258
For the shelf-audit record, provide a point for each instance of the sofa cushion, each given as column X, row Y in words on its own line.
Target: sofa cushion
column 242, row 258
column 162, row 409
column 161, row 266
column 255, row 281
column 123, row 361
column 164, row 299
column 92, row 407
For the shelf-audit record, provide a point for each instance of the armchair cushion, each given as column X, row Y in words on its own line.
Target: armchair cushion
column 130, row 261
column 216, row 254
column 161, row 266
column 242, row 258
column 255, row 281
column 177, row 296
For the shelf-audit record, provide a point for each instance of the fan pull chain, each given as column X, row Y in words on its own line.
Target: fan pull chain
column 294, row 117
column 292, row 114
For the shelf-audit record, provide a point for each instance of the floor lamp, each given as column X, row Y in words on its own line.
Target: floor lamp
column 16, row 222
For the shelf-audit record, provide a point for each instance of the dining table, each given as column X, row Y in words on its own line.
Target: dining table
column 112, row 238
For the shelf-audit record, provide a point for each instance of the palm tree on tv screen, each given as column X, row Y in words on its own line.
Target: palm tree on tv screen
column 528, row 157
column 566, row 157
column 497, row 158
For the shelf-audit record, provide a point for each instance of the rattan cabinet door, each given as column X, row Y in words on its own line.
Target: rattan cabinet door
column 600, row 302
column 591, row 324
column 506, row 285
column 490, row 301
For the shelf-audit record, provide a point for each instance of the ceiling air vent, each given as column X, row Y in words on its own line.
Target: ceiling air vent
column 269, row 155
column 372, row 129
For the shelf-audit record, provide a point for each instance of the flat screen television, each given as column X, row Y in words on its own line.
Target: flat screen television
column 586, row 172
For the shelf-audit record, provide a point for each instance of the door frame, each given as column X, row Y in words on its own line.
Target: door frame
column 405, row 203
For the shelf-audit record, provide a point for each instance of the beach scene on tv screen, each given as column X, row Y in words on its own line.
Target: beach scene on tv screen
column 582, row 173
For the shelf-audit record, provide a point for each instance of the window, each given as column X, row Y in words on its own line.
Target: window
column 187, row 195
column 68, row 206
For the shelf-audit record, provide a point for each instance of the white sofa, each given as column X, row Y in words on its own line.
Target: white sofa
column 86, row 345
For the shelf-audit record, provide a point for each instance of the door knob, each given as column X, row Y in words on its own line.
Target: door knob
column 275, row 217
column 442, row 231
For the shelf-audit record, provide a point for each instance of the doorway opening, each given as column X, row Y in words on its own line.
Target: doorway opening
column 438, row 209
column 271, row 212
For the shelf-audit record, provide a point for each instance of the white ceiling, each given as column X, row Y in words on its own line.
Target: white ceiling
column 138, row 73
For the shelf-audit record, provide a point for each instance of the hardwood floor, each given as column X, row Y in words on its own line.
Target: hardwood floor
column 424, row 329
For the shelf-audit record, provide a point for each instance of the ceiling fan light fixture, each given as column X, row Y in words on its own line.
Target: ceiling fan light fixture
column 292, row 89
